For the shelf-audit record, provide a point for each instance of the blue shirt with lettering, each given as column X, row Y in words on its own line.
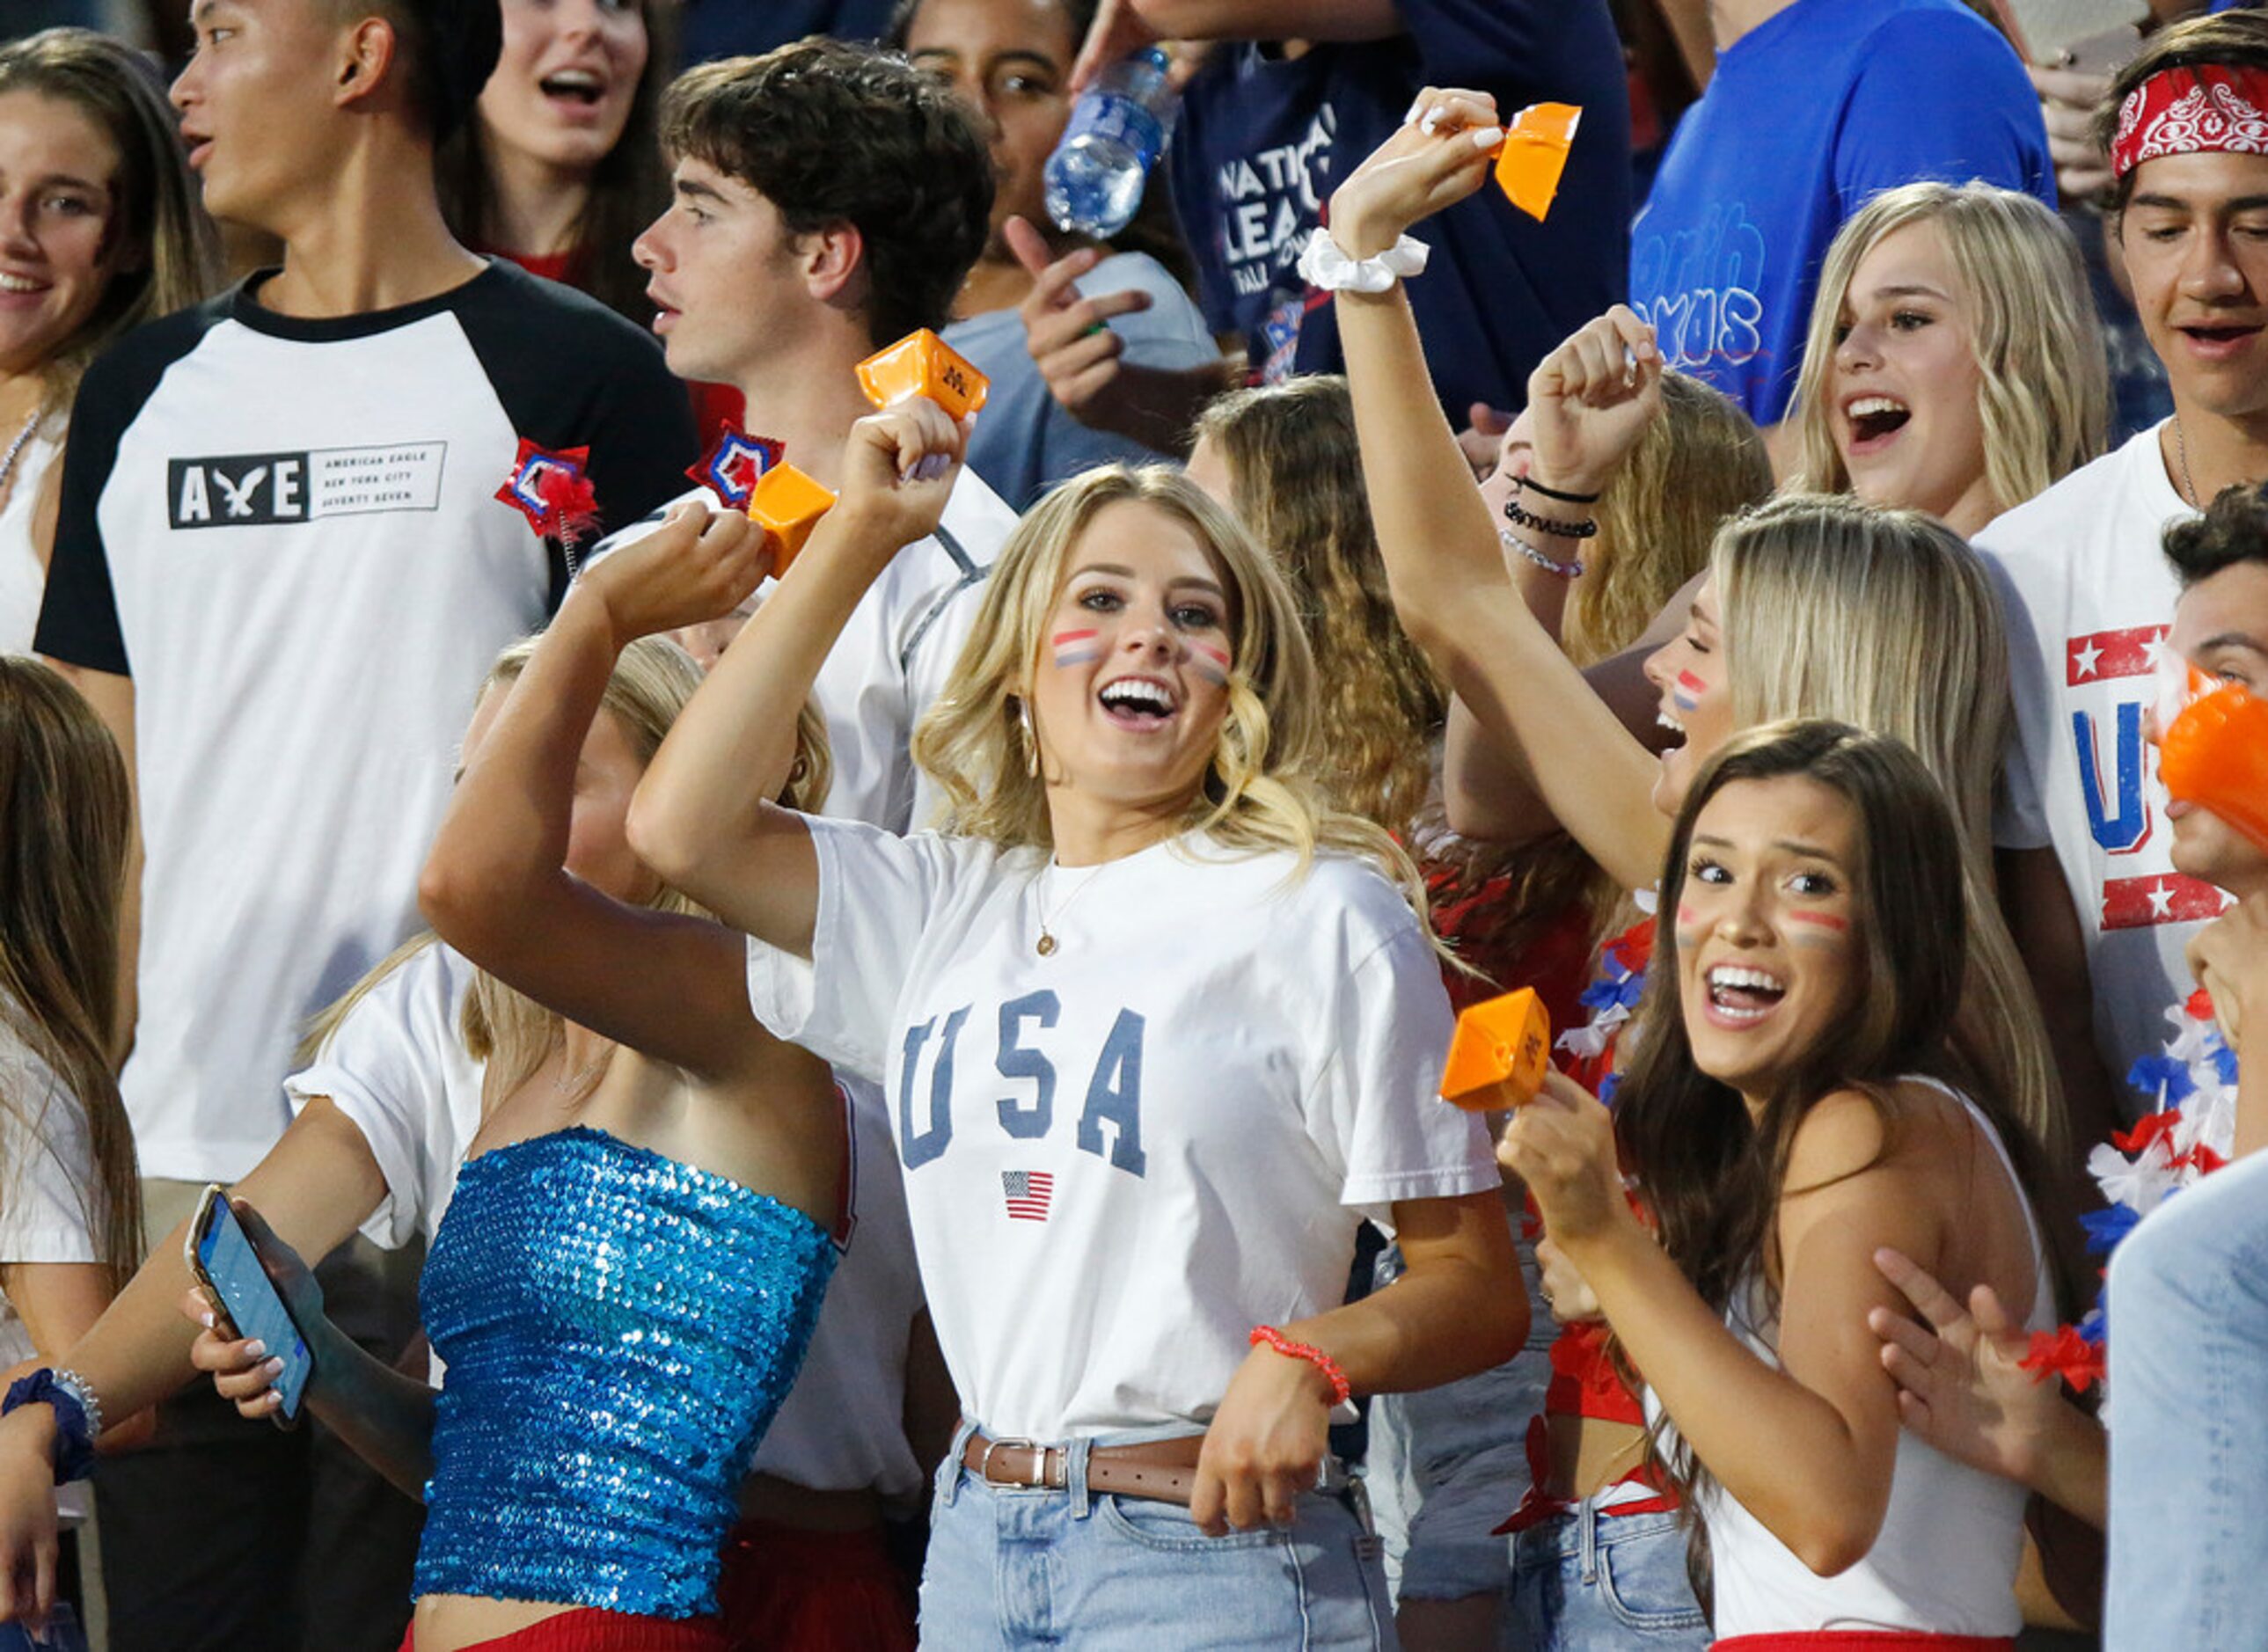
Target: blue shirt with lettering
column 1265, row 138
column 1811, row 113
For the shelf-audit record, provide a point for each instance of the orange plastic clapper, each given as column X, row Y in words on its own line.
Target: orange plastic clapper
column 1499, row 1054
column 1534, row 153
column 922, row 364
column 2215, row 755
column 787, row 505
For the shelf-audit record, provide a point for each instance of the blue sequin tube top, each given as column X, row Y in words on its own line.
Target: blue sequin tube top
column 619, row 1329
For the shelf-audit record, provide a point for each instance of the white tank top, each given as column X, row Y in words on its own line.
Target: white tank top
column 1945, row 1560
column 23, row 578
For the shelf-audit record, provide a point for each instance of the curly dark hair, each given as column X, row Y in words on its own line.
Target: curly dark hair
column 829, row 133
column 2231, row 39
column 2232, row 530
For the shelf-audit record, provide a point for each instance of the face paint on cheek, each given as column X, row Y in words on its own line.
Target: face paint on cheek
column 1075, row 647
column 1208, row 661
column 1817, row 929
column 1689, row 925
column 1685, row 694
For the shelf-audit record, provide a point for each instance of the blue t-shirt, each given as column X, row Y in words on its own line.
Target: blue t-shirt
column 1264, row 139
column 1809, row 113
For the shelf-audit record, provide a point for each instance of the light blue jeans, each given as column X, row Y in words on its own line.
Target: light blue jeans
column 1586, row 1582
column 1448, row 1464
column 1011, row 1569
column 2189, row 1408
column 62, row 1633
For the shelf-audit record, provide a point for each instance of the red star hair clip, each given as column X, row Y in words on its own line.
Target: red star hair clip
column 553, row 491
column 735, row 463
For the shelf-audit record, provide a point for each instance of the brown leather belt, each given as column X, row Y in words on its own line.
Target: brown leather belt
column 1161, row 1471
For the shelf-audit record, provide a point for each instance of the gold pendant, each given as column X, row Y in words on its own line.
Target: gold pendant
column 1047, row 943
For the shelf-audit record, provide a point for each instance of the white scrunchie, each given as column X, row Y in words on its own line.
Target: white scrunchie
column 1324, row 263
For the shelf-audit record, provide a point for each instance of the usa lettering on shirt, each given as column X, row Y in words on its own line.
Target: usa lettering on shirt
column 2107, row 677
column 263, row 489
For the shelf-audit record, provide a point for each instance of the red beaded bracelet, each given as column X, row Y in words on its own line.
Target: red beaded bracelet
column 1340, row 1389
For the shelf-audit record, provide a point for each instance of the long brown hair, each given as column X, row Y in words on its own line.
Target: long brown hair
column 629, row 186
column 66, row 819
column 1296, row 482
column 174, row 252
column 1710, row 1173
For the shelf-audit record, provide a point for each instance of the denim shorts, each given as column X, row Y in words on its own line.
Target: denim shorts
column 1010, row 1568
column 1587, row 1582
column 63, row 1632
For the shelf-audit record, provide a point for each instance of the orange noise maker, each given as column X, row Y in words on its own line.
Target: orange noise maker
column 922, row 364
column 1534, row 153
column 2214, row 755
column 1499, row 1054
column 787, row 505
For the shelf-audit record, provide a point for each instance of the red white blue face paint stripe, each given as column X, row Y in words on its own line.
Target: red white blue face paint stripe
column 1816, row 929
column 1075, row 647
column 1208, row 661
column 1685, row 694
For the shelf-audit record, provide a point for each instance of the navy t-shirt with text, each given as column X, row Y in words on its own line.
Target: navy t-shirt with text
column 1265, row 138
column 1809, row 113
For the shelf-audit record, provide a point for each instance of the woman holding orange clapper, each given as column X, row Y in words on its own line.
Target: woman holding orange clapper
column 1080, row 1096
column 1814, row 608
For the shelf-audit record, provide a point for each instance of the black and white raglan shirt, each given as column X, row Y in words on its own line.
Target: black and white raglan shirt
column 286, row 533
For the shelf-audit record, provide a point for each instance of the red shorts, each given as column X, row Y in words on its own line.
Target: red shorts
column 589, row 1629
column 1862, row 1640
column 788, row 1589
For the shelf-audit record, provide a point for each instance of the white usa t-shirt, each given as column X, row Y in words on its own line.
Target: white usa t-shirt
column 2089, row 596
column 1120, row 1157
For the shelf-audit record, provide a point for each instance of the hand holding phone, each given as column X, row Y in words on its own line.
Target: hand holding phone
column 222, row 1255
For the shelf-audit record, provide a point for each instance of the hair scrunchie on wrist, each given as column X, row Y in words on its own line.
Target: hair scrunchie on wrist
column 1325, row 264
column 79, row 1416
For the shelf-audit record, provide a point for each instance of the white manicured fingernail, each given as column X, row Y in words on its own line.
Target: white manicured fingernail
column 1487, row 136
column 1432, row 120
column 1416, row 104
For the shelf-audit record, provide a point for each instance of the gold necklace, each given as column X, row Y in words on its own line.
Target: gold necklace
column 564, row 1083
column 1047, row 943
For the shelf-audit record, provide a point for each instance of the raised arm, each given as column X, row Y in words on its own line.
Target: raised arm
column 704, row 817
column 1444, row 560
column 497, row 886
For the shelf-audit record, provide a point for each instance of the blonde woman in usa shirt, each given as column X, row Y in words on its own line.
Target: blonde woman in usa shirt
column 1158, row 1028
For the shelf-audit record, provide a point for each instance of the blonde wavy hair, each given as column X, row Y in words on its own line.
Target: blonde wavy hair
column 1295, row 478
column 651, row 681
column 2045, row 396
column 1263, row 790
column 1885, row 619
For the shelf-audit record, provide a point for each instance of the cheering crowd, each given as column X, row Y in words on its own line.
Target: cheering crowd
column 886, row 1088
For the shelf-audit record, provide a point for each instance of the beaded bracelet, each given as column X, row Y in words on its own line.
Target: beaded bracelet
column 1558, row 527
column 1340, row 1389
column 1528, row 484
column 1514, row 542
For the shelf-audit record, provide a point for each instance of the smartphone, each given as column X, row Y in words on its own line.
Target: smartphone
column 220, row 1254
column 2094, row 35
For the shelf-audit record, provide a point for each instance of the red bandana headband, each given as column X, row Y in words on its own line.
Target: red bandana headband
column 2208, row 109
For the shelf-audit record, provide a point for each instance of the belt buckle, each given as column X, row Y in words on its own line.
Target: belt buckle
column 1039, row 1478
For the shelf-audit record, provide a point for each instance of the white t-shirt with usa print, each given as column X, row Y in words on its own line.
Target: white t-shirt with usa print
column 2089, row 598
column 1122, row 1156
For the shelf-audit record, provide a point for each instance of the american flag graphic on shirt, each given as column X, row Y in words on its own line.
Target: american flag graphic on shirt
column 1027, row 1193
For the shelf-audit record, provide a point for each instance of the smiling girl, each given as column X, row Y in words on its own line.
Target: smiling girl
column 1160, row 1028
column 1797, row 1101
column 100, row 231
column 1954, row 364
column 560, row 167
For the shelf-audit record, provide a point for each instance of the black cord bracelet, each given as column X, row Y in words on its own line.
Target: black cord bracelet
column 1530, row 482
column 1519, row 517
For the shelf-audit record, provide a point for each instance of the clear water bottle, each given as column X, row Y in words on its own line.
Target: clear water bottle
column 1116, row 131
